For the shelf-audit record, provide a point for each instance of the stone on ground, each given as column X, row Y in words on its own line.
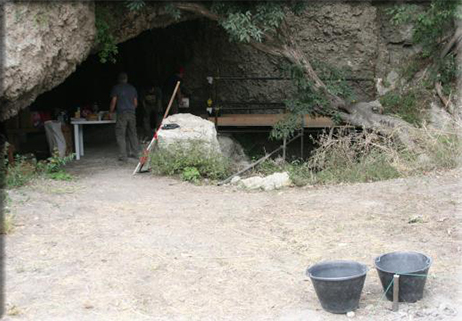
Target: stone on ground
column 235, row 180
column 268, row 183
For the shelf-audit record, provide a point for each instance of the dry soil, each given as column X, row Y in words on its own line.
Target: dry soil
column 112, row 246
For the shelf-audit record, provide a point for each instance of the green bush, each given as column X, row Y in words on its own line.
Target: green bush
column 21, row 172
column 408, row 105
column 191, row 174
column 25, row 169
column 186, row 158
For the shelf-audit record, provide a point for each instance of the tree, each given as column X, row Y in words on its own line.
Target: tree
column 263, row 25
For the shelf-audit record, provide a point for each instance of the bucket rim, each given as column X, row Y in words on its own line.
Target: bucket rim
column 428, row 262
column 342, row 278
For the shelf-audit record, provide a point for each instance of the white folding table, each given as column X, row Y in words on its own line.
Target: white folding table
column 78, row 132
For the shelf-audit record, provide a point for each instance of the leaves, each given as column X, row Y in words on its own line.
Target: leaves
column 104, row 38
column 135, row 5
column 246, row 21
column 430, row 25
column 173, row 11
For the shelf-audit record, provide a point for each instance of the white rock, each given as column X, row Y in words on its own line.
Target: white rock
column 391, row 83
column 235, row 180
column 350, row 314
column 268, row 183
column 276, row 181
column 192, row 128
column 252, row 182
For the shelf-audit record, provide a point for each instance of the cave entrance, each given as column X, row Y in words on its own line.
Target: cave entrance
column 148, row 59
column 202, row 48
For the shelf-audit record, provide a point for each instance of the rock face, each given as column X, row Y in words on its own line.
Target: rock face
column 192, row 128
column 44, row 43
column 357, row 36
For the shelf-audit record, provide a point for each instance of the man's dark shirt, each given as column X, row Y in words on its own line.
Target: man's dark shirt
column 125, row 94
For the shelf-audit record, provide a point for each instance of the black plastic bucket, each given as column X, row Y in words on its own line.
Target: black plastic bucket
column 412, row 267
column 338, row 284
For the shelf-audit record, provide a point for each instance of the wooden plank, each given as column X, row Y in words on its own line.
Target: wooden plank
column 257, row 120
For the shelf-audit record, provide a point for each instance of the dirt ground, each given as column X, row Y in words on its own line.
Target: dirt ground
column 112, row 246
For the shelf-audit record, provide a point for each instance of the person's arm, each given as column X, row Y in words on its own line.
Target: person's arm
column 135, row 102
column 112, row 105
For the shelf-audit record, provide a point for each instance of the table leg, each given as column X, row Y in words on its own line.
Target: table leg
column 81, row 139
column 76, row 141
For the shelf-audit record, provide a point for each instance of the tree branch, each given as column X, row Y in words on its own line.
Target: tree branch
column 446, row 101
column 455, row 41
column 197, row 8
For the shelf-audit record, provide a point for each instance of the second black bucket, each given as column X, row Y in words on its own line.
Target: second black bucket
column 412, row 267
column 338, row 284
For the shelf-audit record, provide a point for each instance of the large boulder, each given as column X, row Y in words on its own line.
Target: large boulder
column 192, row 129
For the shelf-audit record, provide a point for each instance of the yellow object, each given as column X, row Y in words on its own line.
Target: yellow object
column 209, row 102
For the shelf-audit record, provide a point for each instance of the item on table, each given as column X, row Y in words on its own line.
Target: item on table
column 92, row 117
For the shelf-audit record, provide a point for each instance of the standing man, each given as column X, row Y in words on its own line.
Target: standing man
column 124, row 100
column 152, row 104
column 170, row 87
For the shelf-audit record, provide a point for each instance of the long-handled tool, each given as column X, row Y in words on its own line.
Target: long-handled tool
column 146, row 151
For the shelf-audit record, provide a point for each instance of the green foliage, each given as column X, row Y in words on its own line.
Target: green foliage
column 430, row 25
column 335, row 79
column 26, row 169
column 181, row 158
column 21, row 172
column 55, row 163
column 406, row 105
column 191, row 174
column 60, row 176
column 308, row 100
column 246, row 20
column 433, row 26
column 173, row 11
column 135, row 5
column 104, row 38
column 286, row 127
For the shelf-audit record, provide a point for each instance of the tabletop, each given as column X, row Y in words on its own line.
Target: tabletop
column 83, row 121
